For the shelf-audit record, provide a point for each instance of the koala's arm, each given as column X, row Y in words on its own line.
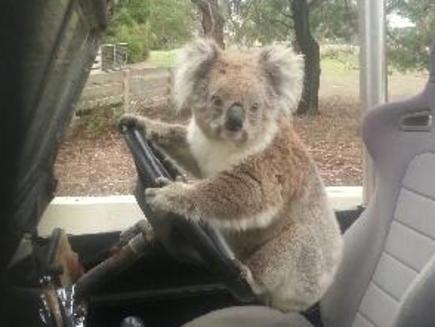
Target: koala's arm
column 233, row 199
column 171, row 138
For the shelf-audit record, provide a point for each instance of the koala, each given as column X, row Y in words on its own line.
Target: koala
column 254, row 180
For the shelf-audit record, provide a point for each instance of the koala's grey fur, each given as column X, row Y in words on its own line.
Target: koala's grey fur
column 256, row 182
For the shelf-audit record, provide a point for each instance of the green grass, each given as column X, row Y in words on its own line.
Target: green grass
column 162, row 58
column 337, row 66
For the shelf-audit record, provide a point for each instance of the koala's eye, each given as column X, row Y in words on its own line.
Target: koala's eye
column 216, row 101
column 254, row 107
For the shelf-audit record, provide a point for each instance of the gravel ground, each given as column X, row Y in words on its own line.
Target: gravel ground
column 90, row 164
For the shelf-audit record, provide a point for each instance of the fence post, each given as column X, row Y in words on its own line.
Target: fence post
column 126, row 83
column 97, row 64
column 170, row 81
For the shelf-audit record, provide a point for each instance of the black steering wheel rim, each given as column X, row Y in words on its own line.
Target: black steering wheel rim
column 183, row 239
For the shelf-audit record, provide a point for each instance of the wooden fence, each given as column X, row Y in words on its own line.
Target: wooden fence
column 147, row 88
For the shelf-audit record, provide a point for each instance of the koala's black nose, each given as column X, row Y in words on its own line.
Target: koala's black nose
column 234, row 118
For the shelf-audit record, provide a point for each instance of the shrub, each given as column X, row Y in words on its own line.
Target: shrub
column 137, row 38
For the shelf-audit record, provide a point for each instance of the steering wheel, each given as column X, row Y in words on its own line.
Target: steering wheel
column 185, row 240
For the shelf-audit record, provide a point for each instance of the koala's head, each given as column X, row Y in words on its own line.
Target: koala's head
column 237, row 96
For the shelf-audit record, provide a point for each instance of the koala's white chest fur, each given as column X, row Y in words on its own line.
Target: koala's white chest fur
column 214, row 157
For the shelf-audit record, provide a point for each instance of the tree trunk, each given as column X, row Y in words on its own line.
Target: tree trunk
column 309, row 47
column 212, row 21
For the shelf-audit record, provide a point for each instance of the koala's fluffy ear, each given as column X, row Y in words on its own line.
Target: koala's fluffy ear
column 284, row 69
column 193, row 64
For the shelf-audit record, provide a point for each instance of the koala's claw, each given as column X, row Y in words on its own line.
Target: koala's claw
column 150, row 192
column 162, row 181
column 170, row 198
column 129, row 120
column 246, row 275
column 245, row 272
column 158, row 198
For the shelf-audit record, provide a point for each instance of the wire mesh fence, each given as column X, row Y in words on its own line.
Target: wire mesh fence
column 121, row 55
column 114, row 56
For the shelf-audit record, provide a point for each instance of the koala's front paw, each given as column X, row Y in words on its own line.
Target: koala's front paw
column 246, row 275
column 171, row 198
column 131, row 120
column 245, row 272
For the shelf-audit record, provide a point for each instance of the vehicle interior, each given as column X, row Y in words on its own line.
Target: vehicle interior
column 189, row 278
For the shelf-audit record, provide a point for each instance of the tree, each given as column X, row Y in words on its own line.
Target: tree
column 408, row 46
column 212, row 20
column 259, row 21
column 130, row 24
column 336, row 21
column 172, row 23
column 309, row 47
column 151, row 24
column 267, row 21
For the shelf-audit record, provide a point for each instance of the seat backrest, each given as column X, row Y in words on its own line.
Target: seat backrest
column 389, row 257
